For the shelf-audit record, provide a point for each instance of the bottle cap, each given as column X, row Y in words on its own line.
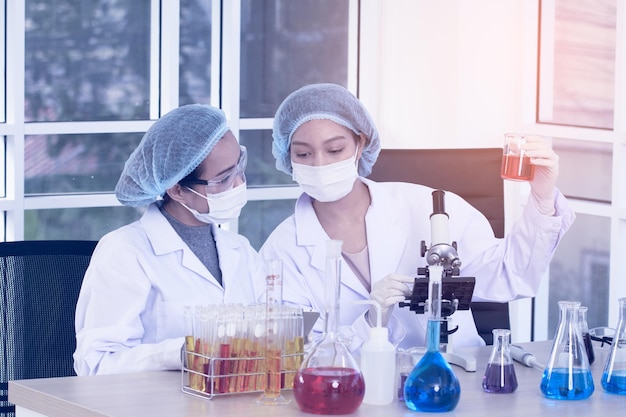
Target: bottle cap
column 379, row 333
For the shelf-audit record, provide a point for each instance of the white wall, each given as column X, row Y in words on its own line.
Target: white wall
column 449, row 74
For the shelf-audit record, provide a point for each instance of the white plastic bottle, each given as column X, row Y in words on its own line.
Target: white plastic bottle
column 378, row 365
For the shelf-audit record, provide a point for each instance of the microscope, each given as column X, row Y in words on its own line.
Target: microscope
column 456, row 291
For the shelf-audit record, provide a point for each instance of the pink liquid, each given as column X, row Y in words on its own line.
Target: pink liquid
column 329, row 390
column 512, row 170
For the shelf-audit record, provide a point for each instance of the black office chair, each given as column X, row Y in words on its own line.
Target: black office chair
column 474, row 174
column 39, row 286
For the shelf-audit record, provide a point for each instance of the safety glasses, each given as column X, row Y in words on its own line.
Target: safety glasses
column 225, row 180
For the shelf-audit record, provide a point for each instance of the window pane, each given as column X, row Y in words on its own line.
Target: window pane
column 580, row 270
column 577, row 62
column 261, row 169
column 584, row 169
column 77, row 223
column 259, row 218
column 286, row 44
column 76, row 163
column 87, row 60
column 195, row 52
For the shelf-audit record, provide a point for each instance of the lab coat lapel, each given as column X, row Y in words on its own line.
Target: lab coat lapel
column 229, row 252
column 386, row 240
column 311, row 234
column 164, row 240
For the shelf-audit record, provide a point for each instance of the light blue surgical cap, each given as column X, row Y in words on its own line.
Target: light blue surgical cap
column 323, row 101
column 169, row 151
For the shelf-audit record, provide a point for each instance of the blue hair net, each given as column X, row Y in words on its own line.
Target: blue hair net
column 169, row 151
column 323, row 101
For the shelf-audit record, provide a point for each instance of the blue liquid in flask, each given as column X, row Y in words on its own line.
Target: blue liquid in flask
column 616, row 384
column 563, row 385
column 432, row 386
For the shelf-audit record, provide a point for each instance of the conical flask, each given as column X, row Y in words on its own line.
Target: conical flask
column 614, row 375
column 432, row 386
column 584, row 330
column 329, row 380
column 567, row 375
column 500, row 375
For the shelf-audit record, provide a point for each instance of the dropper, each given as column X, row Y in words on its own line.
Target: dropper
column 434, row 292
column 378, row 332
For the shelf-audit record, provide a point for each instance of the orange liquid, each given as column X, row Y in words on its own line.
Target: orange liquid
column 516, row 168
column 273, row 361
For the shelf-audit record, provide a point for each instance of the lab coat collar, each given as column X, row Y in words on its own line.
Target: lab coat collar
column 164, row 240
column 229, row 250
column 309, row 232
column 311, row 235
column 386, row 240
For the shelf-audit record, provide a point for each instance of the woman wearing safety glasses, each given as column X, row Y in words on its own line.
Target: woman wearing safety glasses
column 189, row 171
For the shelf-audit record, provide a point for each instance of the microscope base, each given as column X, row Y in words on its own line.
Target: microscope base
column 464, row 361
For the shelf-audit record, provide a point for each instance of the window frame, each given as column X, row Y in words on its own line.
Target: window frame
column 616, row 210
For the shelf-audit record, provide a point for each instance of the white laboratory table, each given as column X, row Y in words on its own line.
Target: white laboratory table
column 159, row 394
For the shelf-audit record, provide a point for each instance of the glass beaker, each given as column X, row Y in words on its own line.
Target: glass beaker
column 329, row 380
column 500, row 375
column 584, row 330
column 567, row 375
column 614, row 375
column 404, row 366
column 432, row 386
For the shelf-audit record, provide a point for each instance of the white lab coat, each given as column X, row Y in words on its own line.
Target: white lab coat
column 397, row 220
column 129, row 315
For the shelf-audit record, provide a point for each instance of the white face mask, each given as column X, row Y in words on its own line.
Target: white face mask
column 328, row 182
column 223, row 207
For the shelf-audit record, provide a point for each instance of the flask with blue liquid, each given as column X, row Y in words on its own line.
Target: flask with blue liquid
column 567, row 375
column 432, row 386
column 614, row 375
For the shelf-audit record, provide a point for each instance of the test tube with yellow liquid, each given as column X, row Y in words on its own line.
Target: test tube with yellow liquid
column 274, row 335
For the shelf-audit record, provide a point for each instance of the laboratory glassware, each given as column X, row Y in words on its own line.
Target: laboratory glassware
column 432, row 386
column 500, row 375
column 404, row 366
column 329, row 380
column 567, row 375
column 274, row 339
column 294, row 344
column 614, row 374
column 584, row 330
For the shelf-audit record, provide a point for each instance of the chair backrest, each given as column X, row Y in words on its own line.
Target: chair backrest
column 472, row 173
column 39, row 286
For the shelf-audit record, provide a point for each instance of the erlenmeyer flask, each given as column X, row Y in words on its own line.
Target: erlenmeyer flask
column 500, row 375
column 567, row 375
column 614, row 375
column 329, row 380
column 432, row 386
column 584, row 330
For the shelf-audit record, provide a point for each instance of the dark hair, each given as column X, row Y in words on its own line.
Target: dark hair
column 192, row 176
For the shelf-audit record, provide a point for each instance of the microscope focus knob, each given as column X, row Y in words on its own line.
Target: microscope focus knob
column 433, row 259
